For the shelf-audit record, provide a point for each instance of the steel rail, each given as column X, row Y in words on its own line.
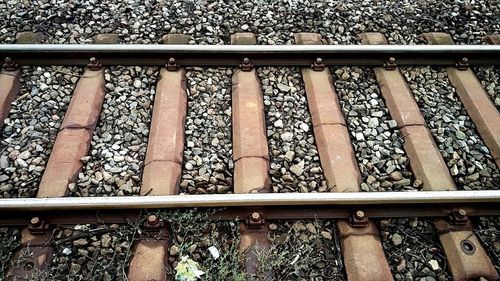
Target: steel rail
column 260, row 55
column 357, row 199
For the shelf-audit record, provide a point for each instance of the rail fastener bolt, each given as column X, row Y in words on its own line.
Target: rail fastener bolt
column 94, row 64
column 153, row 220
column 461, row 213
column 37, row 226
column 359, row 215
column 459, row 217
column 35, row 221
column 10, row 64
column 255, row 220
column 255, row 217
column 246, row 65
column 358, row 219
column 172, row 65
column 462, row 64
column 390, row 64
column 318, row 65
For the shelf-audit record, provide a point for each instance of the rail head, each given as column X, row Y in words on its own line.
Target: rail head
column 357, row 199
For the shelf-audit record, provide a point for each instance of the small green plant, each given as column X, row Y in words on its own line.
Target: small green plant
column 10, row 241
column 193, row 233
column 296, row 252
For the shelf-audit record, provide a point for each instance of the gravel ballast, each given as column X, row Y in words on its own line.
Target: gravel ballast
column 212, row 245
column 208, row 164
column 10, row 238
column 467, row 157
column 488, row 232
column 490, row 79
column 30, row 129
column 273, row 21
column 377, row 142
column 302, row 250
column 118, row 148
column 92, row 252
column 89, row 252
column 294, row 160
column 413, row 250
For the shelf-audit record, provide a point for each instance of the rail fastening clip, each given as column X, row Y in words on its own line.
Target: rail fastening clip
column 94, row 64
column 255, row 221
column 462, row 64
column 37, row 226
column 318, row 65
column 246, row 65
column 171, row 65
column 358, row 219
column 10, row 65
column 390, row 64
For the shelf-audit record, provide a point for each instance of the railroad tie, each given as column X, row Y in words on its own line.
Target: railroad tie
column 162, row 167
column 362, row 250
column 250, row 153
column 428, row 165
column 479, row 106
column 9, row 89
column 73, row 140
column 163, row 164
column 10, row 74
column 493, row 39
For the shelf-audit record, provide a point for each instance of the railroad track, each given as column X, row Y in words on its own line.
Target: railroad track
column 165, row 172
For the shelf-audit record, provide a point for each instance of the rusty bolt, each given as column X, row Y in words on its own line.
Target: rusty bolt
column 35, row 221
column 94, row 64
column 10, row 64
column 172, row 65
column 359, row 215
column 246, row 65
column 461, row 213
column 255, row 217
column 153, row 220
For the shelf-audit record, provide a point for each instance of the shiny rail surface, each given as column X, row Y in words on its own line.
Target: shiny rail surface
column 271, row 199
column 259, row 55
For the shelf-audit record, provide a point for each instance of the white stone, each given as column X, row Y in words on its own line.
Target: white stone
column 298, row 169
column 278, row 123
column 373, row 123
column 137, row 84
column 434, row 265
column 67, row 251
column 287, row 136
